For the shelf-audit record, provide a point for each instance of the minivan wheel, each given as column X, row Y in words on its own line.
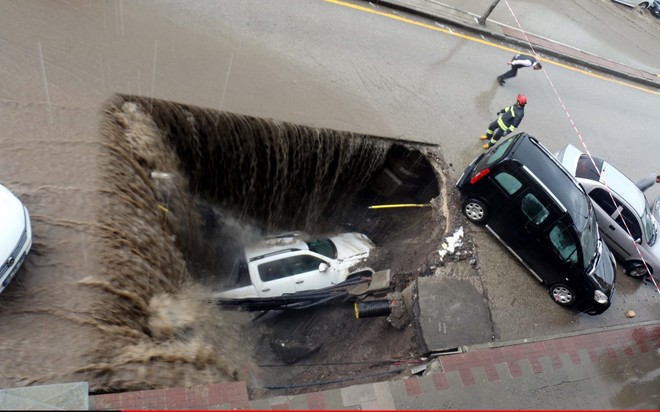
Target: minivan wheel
column 636, row 270
column 476, row 211
column 562, row 294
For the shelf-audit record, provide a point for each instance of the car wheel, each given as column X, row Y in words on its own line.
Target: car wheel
column 562, row 294
column 637, row 270
column 642, row 6
column 476, row 211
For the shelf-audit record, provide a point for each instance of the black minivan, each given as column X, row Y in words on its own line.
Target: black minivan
column 526, row 198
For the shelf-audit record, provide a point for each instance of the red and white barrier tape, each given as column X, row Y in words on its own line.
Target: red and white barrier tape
column 584, row 145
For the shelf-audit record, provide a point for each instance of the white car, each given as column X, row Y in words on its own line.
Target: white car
column 289, row 263
column 643, row 4
column 620, row 209
column 15, row 235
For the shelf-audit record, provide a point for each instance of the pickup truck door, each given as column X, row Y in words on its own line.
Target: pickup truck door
column 306, row 274
column 272, row 278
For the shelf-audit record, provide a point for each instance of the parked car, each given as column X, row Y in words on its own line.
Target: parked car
column 16, row 235
column 533, row 205
column 623, row 205
column 655, row 8
column 636, row 3
column 288, row 263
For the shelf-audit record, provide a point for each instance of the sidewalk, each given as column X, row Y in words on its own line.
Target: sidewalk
column 452, row 16
column 614, row 369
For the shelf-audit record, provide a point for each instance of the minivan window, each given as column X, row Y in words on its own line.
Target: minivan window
column 499, row 151
column 534, row 209
column 563, row 243
column 509, row 183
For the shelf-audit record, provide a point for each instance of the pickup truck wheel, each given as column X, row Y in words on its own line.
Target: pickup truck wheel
column 637, row 270
column 562, row 294
column 475, row 210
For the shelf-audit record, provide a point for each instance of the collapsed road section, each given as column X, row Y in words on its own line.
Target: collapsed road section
column 192, row 189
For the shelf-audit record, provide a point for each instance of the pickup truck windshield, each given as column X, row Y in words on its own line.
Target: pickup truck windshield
column 323, row 247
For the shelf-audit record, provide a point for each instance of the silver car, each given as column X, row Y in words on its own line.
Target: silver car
column 620, row 210
column 642, row 4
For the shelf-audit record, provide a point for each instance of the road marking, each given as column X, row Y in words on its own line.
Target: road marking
column 487, row 43
column 442, row 327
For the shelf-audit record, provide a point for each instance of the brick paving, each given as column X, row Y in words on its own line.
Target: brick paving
column 592, row 366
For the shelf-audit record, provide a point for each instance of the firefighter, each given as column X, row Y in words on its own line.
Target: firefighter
column 509, row 119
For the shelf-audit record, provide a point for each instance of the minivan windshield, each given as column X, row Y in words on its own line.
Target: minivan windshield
column 490, row 158
column 589, row 240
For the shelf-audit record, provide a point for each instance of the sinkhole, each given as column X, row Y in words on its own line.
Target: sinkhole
column 188, row 187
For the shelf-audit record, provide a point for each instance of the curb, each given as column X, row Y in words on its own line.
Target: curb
column 606, row 329
column 456, row 22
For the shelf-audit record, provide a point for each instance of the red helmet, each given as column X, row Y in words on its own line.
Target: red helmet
column 521, row 99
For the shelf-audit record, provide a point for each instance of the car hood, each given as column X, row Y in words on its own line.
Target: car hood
column 352, row 246
column 12, row 221
column 605, row 272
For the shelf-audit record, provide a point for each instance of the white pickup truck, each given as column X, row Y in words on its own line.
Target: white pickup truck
column 288, row 263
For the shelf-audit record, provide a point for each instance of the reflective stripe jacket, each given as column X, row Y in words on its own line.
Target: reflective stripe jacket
column 511, row 118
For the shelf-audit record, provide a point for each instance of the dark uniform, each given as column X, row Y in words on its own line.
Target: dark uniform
column 510, row 118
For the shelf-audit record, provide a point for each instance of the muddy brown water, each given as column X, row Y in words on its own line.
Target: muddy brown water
column 178, row 190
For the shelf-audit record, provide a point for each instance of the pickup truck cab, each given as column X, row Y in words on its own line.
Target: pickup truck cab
column 287, row 264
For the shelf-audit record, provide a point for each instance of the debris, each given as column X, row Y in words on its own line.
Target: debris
column 418, row 369
column 450, row 244
column 630, row 314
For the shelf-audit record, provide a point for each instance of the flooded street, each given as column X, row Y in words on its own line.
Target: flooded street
column 126, row 132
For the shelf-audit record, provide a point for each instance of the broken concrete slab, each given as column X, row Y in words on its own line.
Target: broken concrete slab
column 452, row 312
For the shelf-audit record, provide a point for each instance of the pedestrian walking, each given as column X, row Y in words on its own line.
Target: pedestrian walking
column 510, row 117
column 519, row 61
column 647, row 181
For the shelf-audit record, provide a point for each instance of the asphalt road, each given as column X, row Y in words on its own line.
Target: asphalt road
column 319, row 63
column 425, row 85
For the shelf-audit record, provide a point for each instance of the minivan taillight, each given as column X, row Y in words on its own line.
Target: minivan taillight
column 479, row 176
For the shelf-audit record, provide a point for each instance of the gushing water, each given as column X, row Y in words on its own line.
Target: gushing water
column 181, row 186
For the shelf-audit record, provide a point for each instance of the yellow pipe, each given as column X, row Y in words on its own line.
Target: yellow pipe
column 400, row 205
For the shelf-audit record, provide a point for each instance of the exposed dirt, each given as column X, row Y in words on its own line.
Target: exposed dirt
column 180, row 189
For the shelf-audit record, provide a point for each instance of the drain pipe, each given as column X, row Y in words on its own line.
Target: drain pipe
column 373, row 308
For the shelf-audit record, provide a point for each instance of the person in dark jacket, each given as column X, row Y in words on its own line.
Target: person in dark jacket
column 510, row 118
column 519, row 61
column 647, row 181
